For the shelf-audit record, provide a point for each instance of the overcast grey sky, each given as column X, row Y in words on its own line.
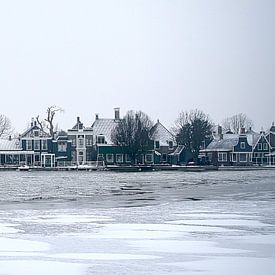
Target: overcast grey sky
column 158, row 56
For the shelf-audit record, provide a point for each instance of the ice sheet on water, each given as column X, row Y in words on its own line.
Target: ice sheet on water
column 66, row 219
column 220, row 222
column 228, row 266
column 19, row 245
column 7, row 228
column 31, row 267
column 184, row 247
column 103, row 256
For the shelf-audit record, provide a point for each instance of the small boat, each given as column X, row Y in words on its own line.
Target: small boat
column 23, row 168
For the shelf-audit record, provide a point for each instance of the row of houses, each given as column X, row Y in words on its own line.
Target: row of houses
column 83, row 145
column 245, row 148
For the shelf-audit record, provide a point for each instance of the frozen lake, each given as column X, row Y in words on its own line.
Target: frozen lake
column 77, row 223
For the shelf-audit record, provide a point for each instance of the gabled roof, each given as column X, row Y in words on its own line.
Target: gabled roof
column 225, row 144
column 104, row 126
column 259, row 137
column 10, row 145
column 178, row 150
column 34, row 127
column 161, row 134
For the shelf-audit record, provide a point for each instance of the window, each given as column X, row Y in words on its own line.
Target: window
column 89, row 140
column 81, row 142
column 164, row 157
column 110, row 158
column 265, row 146
column 234, row 157
column 36, row 133
column 29, row 144
column 148, row 158
column 100, row 139
column 73, row 142
column 128, row 158
column 170, row 144
column 222, row 157
column 119, row 158
column 260, row 147
column 157, row 144
column 62, row 146
column 44, row 144
column 242, row 145
column 243, row 157
column 36, row 145
column 37, row 157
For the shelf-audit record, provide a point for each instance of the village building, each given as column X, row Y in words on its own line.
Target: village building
column 164, row 143
column 12, row 153
column 81, row 143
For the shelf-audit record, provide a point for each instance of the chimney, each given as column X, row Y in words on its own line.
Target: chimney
column 96, row 117
column 32, row 122
column 117, row 113
column 78, row 119
column 9, row 138
column 220, row 132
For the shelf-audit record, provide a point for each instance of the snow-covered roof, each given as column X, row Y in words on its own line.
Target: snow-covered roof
column 10, row 145
column 224, row 144
column 161, row 134
column 104, row 126
column 29, row 131
column 178, row 150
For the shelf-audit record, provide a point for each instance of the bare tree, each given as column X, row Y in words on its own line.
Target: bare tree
column 41, row 123
column 132, row 132
column 192, row 129
column 51, row 112
column 5, row 126
column 236, row 122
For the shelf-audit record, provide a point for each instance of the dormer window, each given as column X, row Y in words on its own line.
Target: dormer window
column 242, row 145
column 100, row 139
column 36, row 133
column 157, row 144
column 170, row 144
column 265, row 147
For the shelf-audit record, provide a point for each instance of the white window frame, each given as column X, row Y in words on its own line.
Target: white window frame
column 119, row 156
column 110, row 158
column 127, row 158
column 28, row 144
column 157, row 143
column 170, row 142
column 265, row 146
column 245, row 157
column 242, row 145
column 62, row 146
column 100, row 139
column 36, row 133
column 43, row 143
column 234, row 157
column 222, row 157
column 35, row 143
column 260, row 146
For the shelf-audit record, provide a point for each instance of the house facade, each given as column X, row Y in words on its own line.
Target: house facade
column 81, row 139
